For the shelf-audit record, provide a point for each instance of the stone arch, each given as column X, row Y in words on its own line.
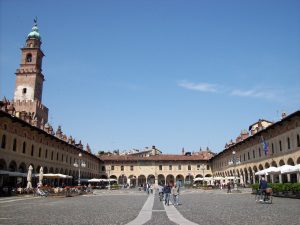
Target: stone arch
column 141, row 180
column 122, row 179
column 45, row 169
column 113, row 177
column 274, row 164
column 61, row 171
column 246, row 175
column 38, row 169
column 199, row 175
column 22, row 168
column 179, row 180
column 51, row 170
column 66, row 172
column 56, row 170
column 281, row 162
column 3, row 165
column 12, row 166
column 161, row 179
column 267, row 165
column 103, row 177
column 290, row 161
column 208, row 175
column 151, row 179
column 170, row 179
column 132, row 180
column 189, row 179
column 260, row 167
column 298, row 160
column 251, row 174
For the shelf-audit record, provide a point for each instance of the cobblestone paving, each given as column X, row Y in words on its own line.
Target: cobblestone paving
column 106, row 209
column 121, row 207
column 215, row 207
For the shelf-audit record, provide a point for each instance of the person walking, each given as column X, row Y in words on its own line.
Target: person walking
column 229, row 187
column 175, row 194
column 167, row 191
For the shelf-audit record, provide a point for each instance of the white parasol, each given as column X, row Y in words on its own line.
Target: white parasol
column 29, row 175
column 41, row 174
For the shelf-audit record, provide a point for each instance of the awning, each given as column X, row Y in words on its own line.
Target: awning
column 55, row 176
column 13, row 174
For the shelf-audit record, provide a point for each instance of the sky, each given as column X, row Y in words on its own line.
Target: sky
column 174, row 74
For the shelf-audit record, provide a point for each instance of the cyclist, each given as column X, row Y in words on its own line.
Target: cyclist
column 263, row 185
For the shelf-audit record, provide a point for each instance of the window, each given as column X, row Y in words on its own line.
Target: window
column 198, row 167
column 32, row 150
column 62, row 157
column 122, row 168
column 15, row 145
column 3, row 142
column 131, row 168
column 57, row 156
column 189, row 167
column 207, row 167
column 40, row 152
column 160, row 167
column 46, row 153
column 280, row 146
column 244, row 157
column 103, row 168
column 52, row 155
column 170, row 167
column 112, row 167
column 272, row 146
column 248, row 155
column 24, row 147
column 179, row 167
column 259, row 152
column 24, row 90
column 29, row 58
column 253, row 153
column 298, row 140
column 288, row 143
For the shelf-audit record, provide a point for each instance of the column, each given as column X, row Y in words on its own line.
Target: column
column 289, row 178
column 272, row 178
column 156, row 181
column 280, row 178
column 253, row 178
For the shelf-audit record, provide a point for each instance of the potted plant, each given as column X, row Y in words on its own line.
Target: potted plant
column 254, row 188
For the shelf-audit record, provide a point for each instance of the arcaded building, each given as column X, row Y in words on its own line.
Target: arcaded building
column 26, row 138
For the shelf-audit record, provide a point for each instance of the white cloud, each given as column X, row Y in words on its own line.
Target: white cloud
column 204, row 87
column 267, row 94
column 257, row 92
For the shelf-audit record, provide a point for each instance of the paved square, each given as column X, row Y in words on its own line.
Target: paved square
column 124, row 206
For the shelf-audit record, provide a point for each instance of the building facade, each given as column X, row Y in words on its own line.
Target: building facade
column 27, row 138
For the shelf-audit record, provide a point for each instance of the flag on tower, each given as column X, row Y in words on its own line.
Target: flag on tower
column 265, row 146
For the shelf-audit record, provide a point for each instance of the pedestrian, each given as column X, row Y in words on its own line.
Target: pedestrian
column 160, row 192
column 175, row 194
column 228, row 187
column 167, row 191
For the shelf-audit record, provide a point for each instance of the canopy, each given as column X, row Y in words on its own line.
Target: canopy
column 232, row 178
column 55, row 176
column 13, row 174
column 201, row 178
column 95, row 180
column 218, row 178
column 270, row 170
column 290, row 169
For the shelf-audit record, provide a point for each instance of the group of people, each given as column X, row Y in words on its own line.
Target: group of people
column 168, row 191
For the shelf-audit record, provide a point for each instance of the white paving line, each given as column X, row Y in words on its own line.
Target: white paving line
column 145, row 213
column 176, row 216
column 15, row 200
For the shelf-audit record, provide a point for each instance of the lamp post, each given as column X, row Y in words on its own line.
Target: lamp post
column 203, row 168
column 234, row 161
column 79, row 163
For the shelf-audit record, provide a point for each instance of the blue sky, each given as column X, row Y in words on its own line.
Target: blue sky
column 130, row 74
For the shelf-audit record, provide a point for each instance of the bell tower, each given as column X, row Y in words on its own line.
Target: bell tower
column 29, row 78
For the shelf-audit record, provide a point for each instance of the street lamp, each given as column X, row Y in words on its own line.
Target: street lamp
column 79, row 163
column 234, row 161
column 203, row 168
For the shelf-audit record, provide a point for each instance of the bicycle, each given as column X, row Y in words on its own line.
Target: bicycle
column 264, row 196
